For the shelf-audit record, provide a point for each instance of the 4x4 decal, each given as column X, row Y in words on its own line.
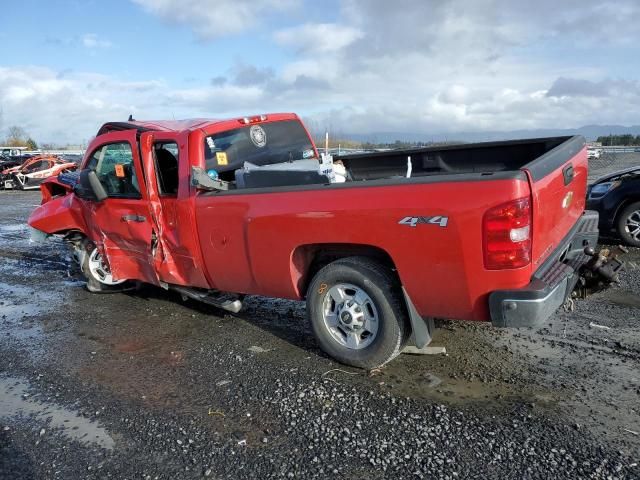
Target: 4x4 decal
column 415, row 221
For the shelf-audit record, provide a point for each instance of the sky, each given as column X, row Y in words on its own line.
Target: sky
column 350, row 66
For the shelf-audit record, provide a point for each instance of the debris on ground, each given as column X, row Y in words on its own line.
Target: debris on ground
column 428, row 350
column 256, row 349
column 601, row 327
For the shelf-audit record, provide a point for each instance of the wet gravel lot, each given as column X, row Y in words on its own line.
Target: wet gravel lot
column 144, row 385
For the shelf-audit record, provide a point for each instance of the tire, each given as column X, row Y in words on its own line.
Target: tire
column 334, row 296
column 628, row 224
column 96, row 283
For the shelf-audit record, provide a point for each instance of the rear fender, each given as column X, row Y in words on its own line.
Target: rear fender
column 52, row 188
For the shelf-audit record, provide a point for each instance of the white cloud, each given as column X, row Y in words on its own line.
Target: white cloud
column 402, row 66
column 316, row 38
column 92, row 41
column 71, row 107
column 216, row 18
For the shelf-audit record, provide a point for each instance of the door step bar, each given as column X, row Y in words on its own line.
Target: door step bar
column 224, row 301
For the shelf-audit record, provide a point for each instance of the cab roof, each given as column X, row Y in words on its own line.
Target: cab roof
column 186, row 125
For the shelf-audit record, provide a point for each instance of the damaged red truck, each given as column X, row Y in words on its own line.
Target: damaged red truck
column 220, row 209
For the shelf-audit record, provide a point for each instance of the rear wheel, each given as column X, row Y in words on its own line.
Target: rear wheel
column 98, row 274
column 357, row 312
column 629, row 224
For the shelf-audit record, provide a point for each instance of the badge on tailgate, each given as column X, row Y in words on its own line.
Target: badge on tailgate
column 415, row 221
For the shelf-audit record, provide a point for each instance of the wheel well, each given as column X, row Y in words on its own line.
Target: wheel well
column 307, row 260
column 621, row 206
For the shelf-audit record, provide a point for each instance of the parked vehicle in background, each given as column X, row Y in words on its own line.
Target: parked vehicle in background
column 12, row 151
column 8, row 162
column 30, row 174
column 219, row 209
column 593, row 153
column 616, row 197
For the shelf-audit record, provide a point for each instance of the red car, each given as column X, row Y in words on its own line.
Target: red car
column 30, row 174
column 217, row 209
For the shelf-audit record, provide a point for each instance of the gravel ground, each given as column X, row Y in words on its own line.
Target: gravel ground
column 143, row 385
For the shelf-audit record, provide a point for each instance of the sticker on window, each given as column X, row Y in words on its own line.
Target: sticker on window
column 221, row 158
column 258, row 136
column 308, row 153
column 120, row 170
column 211, row 143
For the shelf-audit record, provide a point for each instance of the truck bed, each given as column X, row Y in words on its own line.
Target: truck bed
column 451, row 159
column 260, row 236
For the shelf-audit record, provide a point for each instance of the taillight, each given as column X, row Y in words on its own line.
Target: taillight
column 507, row 235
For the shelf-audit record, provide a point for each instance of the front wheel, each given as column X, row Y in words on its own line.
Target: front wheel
column 629, row 224
column 357, row 312
column 98, row 275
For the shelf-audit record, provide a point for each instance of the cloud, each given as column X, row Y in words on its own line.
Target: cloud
column 370, row 65
column 575, row 87
column 246, row 75
column 218, row 81
column 92, row 41
column 63, row 108
column 212, row 19
column 89, row 41
column 70, row 107
column 316, row 38
column 304, row 82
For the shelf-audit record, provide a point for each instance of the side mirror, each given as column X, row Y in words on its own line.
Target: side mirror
column 89, row 186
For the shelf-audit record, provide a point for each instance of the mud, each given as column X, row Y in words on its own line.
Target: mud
column 163, row 388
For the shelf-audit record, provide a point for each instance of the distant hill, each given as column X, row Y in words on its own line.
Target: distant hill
column 590, row 132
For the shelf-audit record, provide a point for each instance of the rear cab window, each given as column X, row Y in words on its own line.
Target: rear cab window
column 258, row 144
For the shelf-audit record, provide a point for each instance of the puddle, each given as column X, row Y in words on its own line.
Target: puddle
column 18, row 302
column 14, row 232
column 15, row 402
column 19, row 305
column 19, row 227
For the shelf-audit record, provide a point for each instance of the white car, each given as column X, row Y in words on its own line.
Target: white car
column 593, row 153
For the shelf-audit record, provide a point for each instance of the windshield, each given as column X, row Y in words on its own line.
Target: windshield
column 259, row 144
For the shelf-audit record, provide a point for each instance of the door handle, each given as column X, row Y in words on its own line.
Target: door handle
column 567, row 173
column 134, row 218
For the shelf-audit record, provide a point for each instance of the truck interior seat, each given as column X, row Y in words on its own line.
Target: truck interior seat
column 167, row 165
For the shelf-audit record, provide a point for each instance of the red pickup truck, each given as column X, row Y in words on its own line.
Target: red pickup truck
column 218, row 209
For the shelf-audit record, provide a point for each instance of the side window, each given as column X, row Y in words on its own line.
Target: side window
column 36, row 166
column 114, row 165
column 166, row 158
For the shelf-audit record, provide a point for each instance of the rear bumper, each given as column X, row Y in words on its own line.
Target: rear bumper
column 552, row 283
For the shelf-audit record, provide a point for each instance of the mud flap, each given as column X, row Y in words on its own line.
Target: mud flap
column 421, row 328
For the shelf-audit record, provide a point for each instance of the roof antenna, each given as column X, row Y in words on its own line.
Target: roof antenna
column 131, row 118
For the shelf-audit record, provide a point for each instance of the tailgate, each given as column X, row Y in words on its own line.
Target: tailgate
column 558, row 184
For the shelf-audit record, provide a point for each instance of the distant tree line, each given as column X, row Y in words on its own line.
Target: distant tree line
column 626, row 139
column 398, row 144
column 18, row 137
